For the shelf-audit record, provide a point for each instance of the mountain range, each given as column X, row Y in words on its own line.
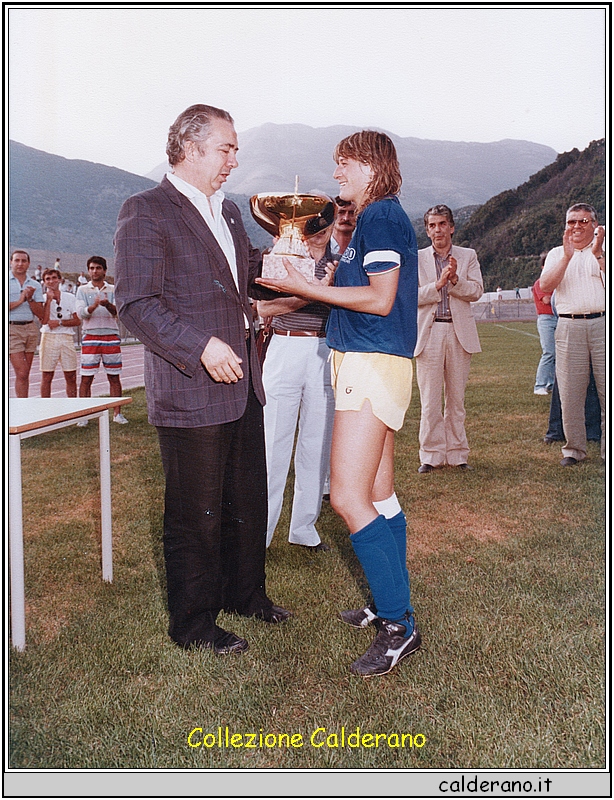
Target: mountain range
column 455, row 173
column 512, row 229
column 65, row 206
column 71, row 206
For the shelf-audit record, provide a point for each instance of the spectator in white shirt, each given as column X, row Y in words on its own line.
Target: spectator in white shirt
column 57, row 341
column 576, row 269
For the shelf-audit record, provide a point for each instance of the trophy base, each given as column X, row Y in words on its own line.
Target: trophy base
column 273, row 266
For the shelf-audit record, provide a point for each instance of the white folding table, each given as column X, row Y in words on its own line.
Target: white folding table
column 29, row 417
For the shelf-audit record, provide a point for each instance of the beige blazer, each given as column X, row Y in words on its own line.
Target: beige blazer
column 468, row 289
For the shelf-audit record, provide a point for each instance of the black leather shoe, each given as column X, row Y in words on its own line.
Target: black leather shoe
column 569, row 461
column 424, row 468
column 389, row 647
column 359, row 617
column 464, row 467
column 273, row 614
column 225, row 643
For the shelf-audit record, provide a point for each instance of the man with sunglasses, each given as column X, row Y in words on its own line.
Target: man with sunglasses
column 57, row 342
column 576, row 270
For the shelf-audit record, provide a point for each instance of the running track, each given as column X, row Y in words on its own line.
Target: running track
column 131, row 377
column 132, row 355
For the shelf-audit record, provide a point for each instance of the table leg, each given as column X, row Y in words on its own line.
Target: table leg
column 105, row 497
column 18, row 598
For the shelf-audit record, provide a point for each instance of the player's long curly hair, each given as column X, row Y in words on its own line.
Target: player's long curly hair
column 377, row 151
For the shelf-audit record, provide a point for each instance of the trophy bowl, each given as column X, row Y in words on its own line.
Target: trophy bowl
column 293, row 218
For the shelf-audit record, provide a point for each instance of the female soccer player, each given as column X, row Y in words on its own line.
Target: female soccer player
column 372, row 330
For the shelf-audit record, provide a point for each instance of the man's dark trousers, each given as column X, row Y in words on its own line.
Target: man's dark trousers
column 592, row 414
column 215, row 522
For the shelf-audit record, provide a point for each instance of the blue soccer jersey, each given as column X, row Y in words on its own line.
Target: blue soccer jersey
column 383, row 239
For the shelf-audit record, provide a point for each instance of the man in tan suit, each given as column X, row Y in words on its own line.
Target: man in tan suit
column 449, row 280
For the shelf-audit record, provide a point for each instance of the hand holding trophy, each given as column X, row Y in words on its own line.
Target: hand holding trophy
column 293, row 218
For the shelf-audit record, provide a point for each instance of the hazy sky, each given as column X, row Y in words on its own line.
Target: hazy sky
column 104, row 83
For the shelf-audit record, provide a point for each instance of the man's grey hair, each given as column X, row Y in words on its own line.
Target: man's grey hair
column 439, row 211
column 193, row 125
column 582, row 207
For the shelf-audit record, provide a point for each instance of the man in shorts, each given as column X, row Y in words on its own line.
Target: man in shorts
column 25, row 302
column 57, row 341
column 100, row 342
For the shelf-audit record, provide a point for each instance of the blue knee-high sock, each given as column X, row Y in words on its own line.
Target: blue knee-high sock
column 398, row 527
column 377, row 552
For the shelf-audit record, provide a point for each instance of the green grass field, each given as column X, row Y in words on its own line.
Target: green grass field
column 508, row 579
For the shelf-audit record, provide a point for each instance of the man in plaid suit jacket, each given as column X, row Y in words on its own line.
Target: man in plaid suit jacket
column 183, row 267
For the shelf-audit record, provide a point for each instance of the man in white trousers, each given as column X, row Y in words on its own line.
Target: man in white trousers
column 296, row 377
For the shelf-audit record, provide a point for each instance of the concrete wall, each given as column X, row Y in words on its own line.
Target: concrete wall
column 506, row 294
column 510, row 310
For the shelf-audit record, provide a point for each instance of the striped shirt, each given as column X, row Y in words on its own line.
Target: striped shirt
column 443, row 307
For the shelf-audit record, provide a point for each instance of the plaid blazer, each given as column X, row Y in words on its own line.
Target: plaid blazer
column 174, row 290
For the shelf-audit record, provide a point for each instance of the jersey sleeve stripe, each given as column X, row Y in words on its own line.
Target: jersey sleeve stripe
column 382, row 255
column 383, row 271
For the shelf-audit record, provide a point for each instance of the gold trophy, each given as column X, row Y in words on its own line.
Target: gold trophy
column 293, row 218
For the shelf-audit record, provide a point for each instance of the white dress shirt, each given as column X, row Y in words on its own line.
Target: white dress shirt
column 211, row 211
